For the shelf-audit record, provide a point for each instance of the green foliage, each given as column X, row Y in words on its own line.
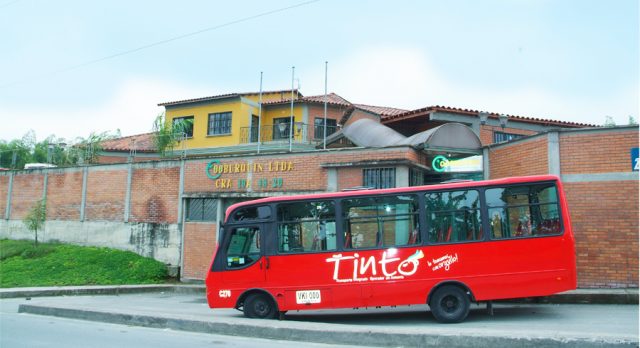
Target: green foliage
column 609, row 122
column 22, row 265
column 632, row 121
column 168, row 135
column 16, row 153
column 35, row 218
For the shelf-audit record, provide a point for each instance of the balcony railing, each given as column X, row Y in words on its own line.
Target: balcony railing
column 280, row 133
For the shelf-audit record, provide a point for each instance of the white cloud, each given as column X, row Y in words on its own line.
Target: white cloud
column 132, row 109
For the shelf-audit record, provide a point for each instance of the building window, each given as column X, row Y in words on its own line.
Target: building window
column 379, row 177
column 281, row 128
column 219, row 123
column 416, row 177
column 318, row 127
column 499, row 137
column 202, row 209
column 183, row 126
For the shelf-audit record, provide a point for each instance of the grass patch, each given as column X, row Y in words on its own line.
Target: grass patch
column 23, row 265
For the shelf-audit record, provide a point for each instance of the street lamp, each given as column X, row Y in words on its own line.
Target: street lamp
column 503, row 120
column 484, row 116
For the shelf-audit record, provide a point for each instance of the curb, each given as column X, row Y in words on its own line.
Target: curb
column 348, row 337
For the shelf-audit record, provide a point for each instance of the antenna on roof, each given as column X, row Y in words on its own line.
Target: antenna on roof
column 324, row 142
column 293, row 71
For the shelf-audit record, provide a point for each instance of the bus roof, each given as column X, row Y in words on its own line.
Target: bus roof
column 445, row 186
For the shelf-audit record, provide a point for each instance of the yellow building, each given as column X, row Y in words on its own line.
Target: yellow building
column 234, row 122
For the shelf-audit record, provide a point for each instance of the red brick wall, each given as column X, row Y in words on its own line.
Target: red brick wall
column 304, row 175
column 317, row 111
column 27, row 190
column 597, row 152
column 106, row 192
column 358, row 115
column 199, row 246
column 605, row 224
column 4, row 188
column 154, row 194
column 64, row 195
column 349, row 177
column 526, row 157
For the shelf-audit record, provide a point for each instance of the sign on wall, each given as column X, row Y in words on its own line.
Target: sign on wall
column 262, row 174
column 442, row 164
column 635, row 166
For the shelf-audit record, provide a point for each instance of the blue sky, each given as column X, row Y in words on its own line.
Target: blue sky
column 562, row 59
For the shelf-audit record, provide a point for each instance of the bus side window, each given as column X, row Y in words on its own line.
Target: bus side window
column 523, row 211
column 381, row 221
column 306, row 227
column 453, row 216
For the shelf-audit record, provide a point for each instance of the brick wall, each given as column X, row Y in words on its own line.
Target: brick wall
column 601, row 152
column 523, row 157
column 64, row 195
column 349, row 177
column 604, row 216
column 106, row 194
column 4, row 189
column 154, row 194
column 358, row 115
column 27, row 190
column 199, row 245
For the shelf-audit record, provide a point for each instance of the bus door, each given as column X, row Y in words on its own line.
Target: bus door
column 243, row 258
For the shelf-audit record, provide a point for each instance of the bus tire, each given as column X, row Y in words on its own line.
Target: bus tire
column 450, row 304
column 259, row 306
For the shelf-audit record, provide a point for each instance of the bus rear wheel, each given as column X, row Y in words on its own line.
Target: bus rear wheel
column 450, row 304
column 259, row 306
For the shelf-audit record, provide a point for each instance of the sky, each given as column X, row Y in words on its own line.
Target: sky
column 69, row 68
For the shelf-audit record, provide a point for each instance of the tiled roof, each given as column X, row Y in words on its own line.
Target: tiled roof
column 223, row 96
column 140, row 142
column 332, row 99
column 381, row 110
column 436, row 108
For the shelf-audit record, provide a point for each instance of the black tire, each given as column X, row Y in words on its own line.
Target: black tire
column 259, row 306
column 450, row 304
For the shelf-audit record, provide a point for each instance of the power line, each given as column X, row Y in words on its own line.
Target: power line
column 157, row 43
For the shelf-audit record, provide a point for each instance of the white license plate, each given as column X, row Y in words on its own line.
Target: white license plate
column 308, row 296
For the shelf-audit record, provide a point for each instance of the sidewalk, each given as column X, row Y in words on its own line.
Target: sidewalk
column 579, row 296
column 521, row 324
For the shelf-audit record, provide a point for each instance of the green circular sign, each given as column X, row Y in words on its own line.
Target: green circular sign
column 209, row 166
column 439, row 163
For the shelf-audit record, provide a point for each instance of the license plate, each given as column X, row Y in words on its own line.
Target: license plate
column 308, row 296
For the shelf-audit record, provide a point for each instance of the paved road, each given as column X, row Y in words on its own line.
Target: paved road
column 532, row 325
column 27, row 330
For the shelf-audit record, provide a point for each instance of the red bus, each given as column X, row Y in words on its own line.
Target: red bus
column 444, row 245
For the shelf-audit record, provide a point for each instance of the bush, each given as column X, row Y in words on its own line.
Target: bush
column 22, row 264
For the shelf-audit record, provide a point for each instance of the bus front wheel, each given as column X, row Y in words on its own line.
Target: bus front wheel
column 450, row 304
column 259, row 306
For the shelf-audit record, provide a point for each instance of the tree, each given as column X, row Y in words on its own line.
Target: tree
column 34, row 220
column 168, row 135
column 609, row 122
column 632, row 121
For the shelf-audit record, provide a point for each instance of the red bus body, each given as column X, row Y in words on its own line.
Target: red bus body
column 486, row 269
